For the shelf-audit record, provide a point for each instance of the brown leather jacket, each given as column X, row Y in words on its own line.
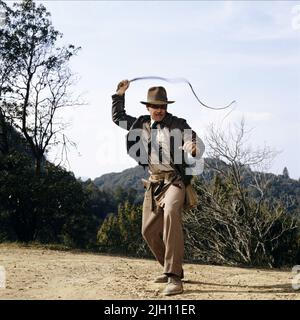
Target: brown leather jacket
column 122, row 119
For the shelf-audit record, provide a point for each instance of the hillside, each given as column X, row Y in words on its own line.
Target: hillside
column 11, row 139
column 280, row 187
column 127, row 179
column 40, row 273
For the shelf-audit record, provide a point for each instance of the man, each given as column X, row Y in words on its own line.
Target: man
column 161, row 142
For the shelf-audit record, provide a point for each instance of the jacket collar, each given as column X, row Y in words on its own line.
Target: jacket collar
column 166, row 122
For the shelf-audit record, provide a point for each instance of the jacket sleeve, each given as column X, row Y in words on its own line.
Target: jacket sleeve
column 192, row 135
column 119, row 115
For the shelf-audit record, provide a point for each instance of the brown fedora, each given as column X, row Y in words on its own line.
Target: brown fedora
column 157, row 96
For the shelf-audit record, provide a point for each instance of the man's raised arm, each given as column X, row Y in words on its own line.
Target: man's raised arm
column 119, row 115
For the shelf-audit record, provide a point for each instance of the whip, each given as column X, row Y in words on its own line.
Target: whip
column 182, row 80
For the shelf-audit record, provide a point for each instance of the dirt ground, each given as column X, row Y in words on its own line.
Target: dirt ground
column 41, row 273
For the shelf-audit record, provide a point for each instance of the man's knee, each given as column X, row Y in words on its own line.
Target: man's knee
column 145, row 233
column 150, row 234
column 172, row 213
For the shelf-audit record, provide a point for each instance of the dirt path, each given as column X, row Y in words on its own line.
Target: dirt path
column 37, row 273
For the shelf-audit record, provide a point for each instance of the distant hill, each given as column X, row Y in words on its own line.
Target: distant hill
column 281, row 186
column 131, row 178
column 127, row 179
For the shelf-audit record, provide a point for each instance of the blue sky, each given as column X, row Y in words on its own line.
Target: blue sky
column 247, row 51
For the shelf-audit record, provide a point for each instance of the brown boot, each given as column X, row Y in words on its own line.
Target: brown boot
column 174, row 286
column 163, row 278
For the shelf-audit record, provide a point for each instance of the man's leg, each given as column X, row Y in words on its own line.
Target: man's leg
column 172, row 233
column 152, row 230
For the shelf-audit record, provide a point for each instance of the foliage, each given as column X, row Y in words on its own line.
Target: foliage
column 221, row 231
column 121, row 233
column 238, row 221
column 51, row 208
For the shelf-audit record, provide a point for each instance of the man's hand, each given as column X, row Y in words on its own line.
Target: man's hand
column 122, row 87
column 191, row 148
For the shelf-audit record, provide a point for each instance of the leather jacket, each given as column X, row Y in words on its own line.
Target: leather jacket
column 122, row 119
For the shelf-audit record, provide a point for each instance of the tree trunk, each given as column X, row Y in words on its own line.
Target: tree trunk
column 4, row 147
column 38, row 166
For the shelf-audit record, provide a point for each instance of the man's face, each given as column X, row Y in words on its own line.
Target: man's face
column 157, row 113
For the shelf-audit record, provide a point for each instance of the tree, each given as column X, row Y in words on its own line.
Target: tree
column 285, row 173
column 108, row 237
column 122, row 232
column 50, row 208
column 122, row 195
column 38, row 83
column 235, row 223
column 7, row 73
column 100, row 202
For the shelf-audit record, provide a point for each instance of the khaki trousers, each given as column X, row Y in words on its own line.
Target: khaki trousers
column 162, row 228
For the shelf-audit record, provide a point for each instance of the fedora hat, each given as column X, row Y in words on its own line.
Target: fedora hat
column 157, row 96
